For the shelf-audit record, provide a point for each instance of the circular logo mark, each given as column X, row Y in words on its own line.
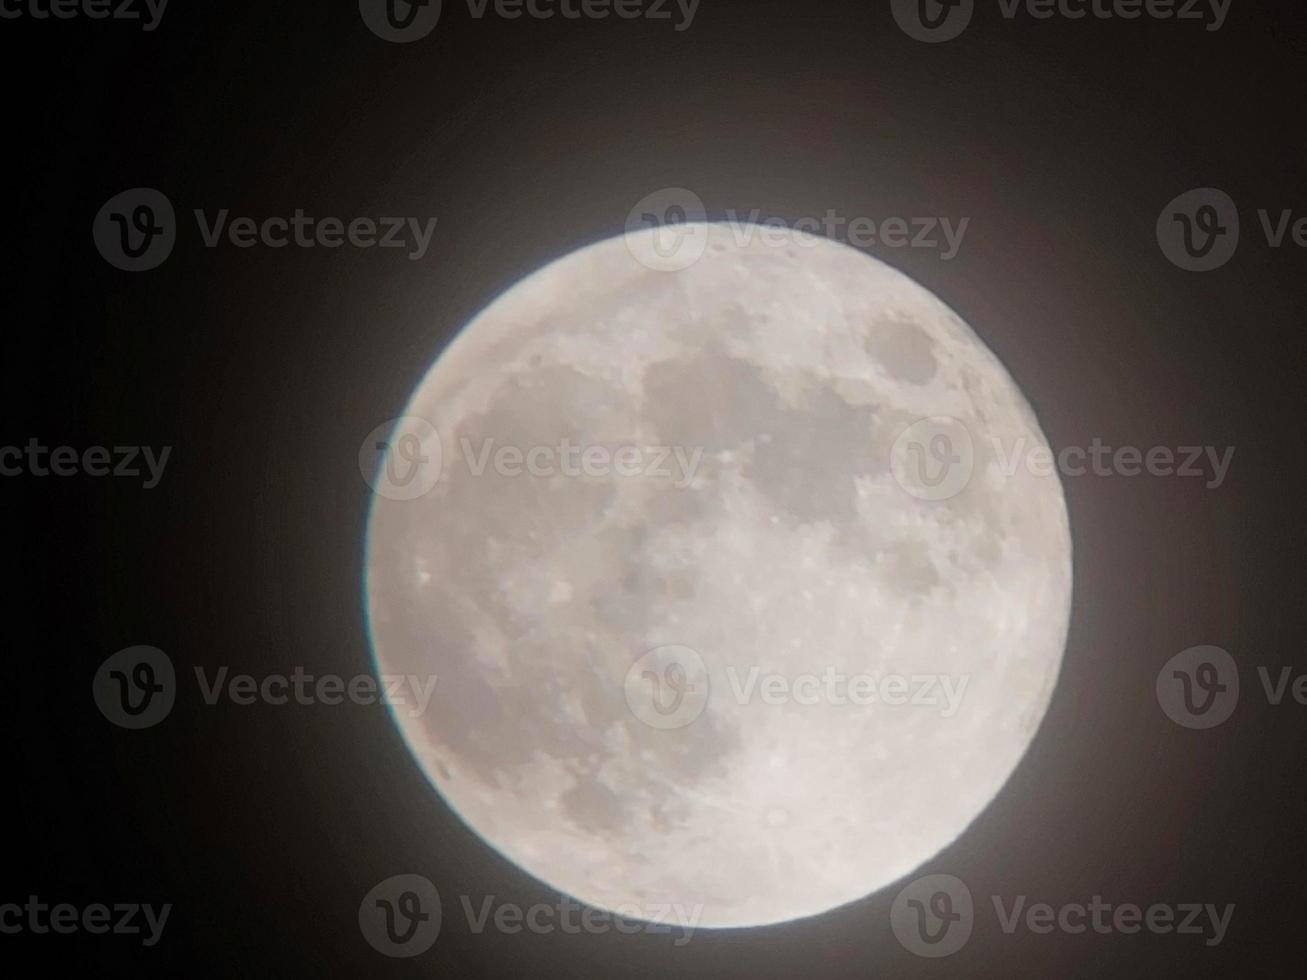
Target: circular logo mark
column 136, row 687
column 1199, row 230
column 400, row 917
column 666, row 230
column 401, row 459
column 933, row 21
column 933, row 458
column 136, row 230
column 933, row 916
column 667, row 687
column 1199, row 687
column 400, row 21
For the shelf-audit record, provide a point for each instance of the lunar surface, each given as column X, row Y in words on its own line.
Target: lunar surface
column 738, row 593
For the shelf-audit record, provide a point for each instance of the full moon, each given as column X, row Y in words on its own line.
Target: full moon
column 739, row 586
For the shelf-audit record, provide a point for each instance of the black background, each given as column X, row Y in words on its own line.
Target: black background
column 264, row 826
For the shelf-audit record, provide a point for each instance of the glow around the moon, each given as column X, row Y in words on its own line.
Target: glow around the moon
column 733, row 595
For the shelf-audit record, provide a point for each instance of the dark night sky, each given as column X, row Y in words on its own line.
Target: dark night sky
column 1060, row 140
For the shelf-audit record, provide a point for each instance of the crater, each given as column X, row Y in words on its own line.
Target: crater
column 903, row 349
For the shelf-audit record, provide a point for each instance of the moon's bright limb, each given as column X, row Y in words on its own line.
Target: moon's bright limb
column 550, row 598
